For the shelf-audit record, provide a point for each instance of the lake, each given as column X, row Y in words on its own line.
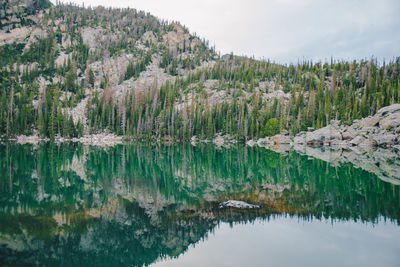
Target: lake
column 137, row 204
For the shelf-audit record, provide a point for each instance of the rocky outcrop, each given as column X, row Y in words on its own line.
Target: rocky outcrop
column 100, row 140
column 382, row 130
column 324, row 136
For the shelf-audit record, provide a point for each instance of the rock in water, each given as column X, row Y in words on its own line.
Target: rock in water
column 238, row 204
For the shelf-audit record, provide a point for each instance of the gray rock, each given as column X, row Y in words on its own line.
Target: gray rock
column 390, row 122
column 284, row 132
column 338, row 143
column 357, row 140
column 238, row 204
column 349, row 133
column 385, row 139
column 369, row 122
column 389, row 109
column 280, row 139
column 367, row 131
column 369, row 142
column 300, row 138
column 323, row 135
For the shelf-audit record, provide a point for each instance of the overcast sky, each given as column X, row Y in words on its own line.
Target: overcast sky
column 284, row 30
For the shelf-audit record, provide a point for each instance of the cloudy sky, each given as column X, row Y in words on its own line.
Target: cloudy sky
column 284, row 30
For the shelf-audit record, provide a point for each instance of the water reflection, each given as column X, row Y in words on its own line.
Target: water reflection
column 286, row 241
column 131, row 205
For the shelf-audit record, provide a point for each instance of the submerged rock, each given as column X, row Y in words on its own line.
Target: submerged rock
column 238, row 204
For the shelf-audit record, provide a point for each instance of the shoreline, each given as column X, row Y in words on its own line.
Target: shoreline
column 380, row 130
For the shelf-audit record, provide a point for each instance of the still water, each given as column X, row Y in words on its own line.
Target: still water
column 135, row 205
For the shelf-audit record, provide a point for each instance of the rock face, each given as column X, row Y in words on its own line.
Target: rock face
column 238, row 204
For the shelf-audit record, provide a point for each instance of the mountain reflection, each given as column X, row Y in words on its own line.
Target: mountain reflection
column 134, row 204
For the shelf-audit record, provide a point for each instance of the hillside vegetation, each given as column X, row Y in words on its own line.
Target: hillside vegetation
column 67, row 71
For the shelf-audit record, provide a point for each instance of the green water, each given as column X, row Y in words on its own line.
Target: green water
column 135, row 205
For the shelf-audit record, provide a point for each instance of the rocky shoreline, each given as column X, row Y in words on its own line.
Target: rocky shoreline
column 380, row 130
column 103, row 139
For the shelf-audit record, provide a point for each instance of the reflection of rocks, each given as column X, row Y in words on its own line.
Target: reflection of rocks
column 385, row 163
column 77, row 165
column 238, row 204
column 352, row 143
column 135, row 199
column 251, row 143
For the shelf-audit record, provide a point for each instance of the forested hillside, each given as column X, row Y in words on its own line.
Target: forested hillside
column 68, row 71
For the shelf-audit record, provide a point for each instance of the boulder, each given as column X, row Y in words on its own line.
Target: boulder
column 280, row 139
column 357, row 140
column 338, row 143
column 369, row 142
column 391, row 121
column 284, row 132
column 300, row 138
column 368, row 131
column 314, row 138
column 369, row 122
column 388, row 110
column 385, row 140
column 323, row 135
column 349, row 133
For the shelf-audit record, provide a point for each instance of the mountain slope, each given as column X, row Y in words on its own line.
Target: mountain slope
column 68, row 71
